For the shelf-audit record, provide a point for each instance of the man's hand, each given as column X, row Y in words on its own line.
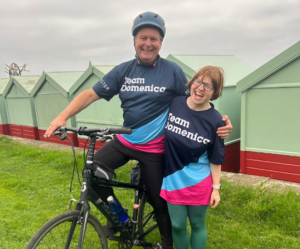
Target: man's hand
column 58, row 122
column 225, row 130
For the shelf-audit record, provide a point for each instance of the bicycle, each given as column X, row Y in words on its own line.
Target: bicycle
column 79, row 228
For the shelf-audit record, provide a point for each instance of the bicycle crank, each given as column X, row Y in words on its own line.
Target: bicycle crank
column 124, row 244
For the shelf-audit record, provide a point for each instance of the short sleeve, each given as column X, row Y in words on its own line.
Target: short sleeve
column 216, row 152
column 180, row 81
column 109, row 85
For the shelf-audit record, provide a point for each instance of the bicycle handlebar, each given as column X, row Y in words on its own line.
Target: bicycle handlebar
column 86, row 131
column 120, row 130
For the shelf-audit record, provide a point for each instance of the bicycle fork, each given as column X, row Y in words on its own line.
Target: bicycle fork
column 84, row 206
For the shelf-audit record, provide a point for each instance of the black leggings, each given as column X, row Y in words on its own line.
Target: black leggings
column 114, row 154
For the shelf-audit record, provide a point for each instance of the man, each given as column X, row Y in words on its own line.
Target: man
column 146, row 86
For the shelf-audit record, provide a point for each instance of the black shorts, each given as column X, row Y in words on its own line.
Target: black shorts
column 114, row 154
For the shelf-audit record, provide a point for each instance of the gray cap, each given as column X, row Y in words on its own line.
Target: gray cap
column 110, row 199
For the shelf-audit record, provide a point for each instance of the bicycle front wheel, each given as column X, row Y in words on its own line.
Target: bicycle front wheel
column 63, row 231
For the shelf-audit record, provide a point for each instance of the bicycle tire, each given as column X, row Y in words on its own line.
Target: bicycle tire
column 146, row 220
column 53, row 233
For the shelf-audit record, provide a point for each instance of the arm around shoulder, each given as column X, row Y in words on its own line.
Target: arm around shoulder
column 82, row 101
column 224, row 131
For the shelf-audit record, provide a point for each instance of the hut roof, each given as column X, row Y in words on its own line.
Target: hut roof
column 269, row 68
column 63, row 81
column 3, row 84
column 24, row 83
column 235, row 69
column 99, row 70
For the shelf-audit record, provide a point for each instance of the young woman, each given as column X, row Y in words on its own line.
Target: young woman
column 194, row 154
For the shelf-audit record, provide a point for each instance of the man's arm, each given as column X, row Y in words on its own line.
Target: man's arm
column 82, row 101
column 224, row 131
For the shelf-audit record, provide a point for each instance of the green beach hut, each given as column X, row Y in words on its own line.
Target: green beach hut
column 20, row 107
column 100, row 113
column 51, row 96
column 4, row 129
column 270, row 122
column 229, row 104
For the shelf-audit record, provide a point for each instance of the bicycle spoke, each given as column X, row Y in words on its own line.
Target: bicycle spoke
column 146, row 221
column 53, row 240
column 54, row 234
column 46, row 244
column 147, row 218
column 61, row 235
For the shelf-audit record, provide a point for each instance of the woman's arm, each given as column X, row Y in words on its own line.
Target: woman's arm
column 216, row 175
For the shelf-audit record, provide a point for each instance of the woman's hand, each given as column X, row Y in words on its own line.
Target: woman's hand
column 214, row 198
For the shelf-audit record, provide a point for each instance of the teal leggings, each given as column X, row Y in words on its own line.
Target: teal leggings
column 196, row 214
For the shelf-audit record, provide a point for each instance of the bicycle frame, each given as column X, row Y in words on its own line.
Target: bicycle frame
column 88, row 194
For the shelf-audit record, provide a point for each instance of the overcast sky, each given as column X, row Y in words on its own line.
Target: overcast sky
column 64, row 35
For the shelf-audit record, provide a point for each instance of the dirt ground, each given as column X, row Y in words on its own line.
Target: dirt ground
column 266, row 182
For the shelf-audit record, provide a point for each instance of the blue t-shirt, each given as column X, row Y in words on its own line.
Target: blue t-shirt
column 191, row 143
column 145, row 93
column 190, row 135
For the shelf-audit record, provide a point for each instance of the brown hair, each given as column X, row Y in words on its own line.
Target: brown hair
column 217, row 76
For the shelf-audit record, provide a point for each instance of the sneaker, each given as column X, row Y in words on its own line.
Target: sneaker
column 109, row 229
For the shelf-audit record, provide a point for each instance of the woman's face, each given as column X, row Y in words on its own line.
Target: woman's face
column 201, row 91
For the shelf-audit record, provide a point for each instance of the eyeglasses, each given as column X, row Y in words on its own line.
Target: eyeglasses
column 207, row 86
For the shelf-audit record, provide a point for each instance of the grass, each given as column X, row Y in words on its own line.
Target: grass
column 34, row 187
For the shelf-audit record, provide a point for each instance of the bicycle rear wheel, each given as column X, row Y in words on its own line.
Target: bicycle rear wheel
column 147, row 221
column 54, row 234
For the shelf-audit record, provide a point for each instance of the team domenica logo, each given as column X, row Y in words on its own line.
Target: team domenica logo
column 179, row 121
column 127, row 86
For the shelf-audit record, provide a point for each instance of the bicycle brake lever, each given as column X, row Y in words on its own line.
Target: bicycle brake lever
column 103, row 138
column 63, row 136
column 109, row 137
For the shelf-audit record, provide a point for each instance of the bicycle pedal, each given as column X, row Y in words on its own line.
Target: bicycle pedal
column 113, row 238
column 158, row 245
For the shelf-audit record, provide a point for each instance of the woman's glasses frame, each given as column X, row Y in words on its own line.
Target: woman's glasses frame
column 207, row 86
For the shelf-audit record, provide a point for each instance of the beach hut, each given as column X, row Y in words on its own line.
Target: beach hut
column 51, row 96
column 229, row 104
column 100, row 113
column 270, row 134
column 4, row 129
column 20, row 107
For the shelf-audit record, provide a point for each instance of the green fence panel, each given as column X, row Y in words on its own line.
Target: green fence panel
column 270, row 111
column 19, row 104
column 51, row 96
column 3, row 114
column 100, row 113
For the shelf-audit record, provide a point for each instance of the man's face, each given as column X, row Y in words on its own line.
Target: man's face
column 147, row 44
